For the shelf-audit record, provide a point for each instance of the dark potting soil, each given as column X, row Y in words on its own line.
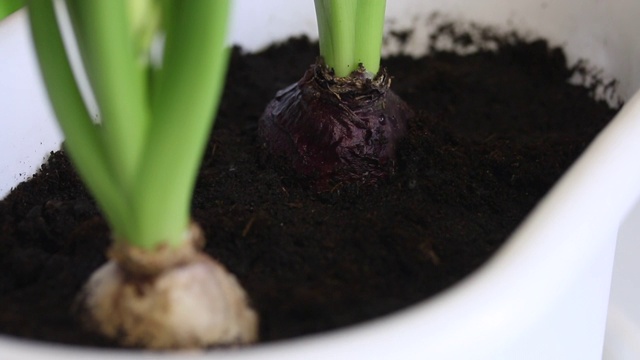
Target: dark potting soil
column 494, row 130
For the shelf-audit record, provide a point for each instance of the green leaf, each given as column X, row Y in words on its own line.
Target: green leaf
column 83, row 141
column 185, row 101
column 350, row 33
column 118, row 80
column 8, row 7
column 141, row 162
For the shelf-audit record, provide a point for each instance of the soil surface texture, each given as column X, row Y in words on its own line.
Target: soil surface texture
column 492, row 133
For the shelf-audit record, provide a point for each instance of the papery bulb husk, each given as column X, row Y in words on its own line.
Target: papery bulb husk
column 335, row 130
column 168, row 298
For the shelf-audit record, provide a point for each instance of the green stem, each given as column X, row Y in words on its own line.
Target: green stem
column 350, row 33
column 118, row 80
column 337, row 34
column 83, row 141
column 185, row 99
column 142, row 162
column 369, row 32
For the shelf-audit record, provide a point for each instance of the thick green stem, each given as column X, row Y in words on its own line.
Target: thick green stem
column 350, row 34
column 185, row 99
column 337, row 34
column 118, row 80
column 369, row 32
column 83, row 141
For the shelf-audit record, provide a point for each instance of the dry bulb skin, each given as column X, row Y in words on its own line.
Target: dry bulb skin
column 168, row 298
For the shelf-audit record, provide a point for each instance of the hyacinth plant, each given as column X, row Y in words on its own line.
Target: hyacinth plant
column 140, row 162
column 340, row 123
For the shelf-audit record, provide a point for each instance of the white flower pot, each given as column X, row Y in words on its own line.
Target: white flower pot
column 544, row 295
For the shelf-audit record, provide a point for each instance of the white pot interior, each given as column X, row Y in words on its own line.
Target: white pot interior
column 544, row 295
